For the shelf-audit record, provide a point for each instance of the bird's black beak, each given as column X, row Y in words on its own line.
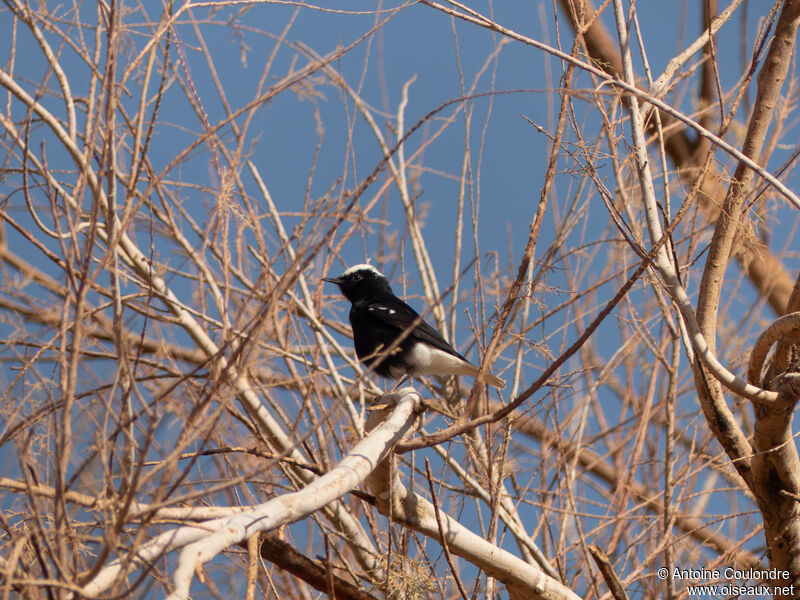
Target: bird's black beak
column 336, row 280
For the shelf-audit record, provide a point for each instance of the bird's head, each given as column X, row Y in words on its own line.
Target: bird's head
column 361, row 282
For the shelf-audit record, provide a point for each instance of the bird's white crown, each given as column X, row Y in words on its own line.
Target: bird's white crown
column 363, row 267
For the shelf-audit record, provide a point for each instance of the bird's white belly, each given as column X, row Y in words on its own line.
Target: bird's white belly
column 426, row 359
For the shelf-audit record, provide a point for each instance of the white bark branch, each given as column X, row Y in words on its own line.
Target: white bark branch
column 414, row 511
column 779, row 329
column 203, row 541
column 662, row 260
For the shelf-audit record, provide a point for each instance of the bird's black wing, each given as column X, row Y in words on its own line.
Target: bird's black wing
column 396, row 313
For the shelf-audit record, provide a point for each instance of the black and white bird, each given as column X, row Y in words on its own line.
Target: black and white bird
column 379, row 319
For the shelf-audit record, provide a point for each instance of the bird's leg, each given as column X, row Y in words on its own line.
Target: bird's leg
column 399, row 382
column 385, row 398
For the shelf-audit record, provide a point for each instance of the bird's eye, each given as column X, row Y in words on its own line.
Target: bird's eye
column 357, row 277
